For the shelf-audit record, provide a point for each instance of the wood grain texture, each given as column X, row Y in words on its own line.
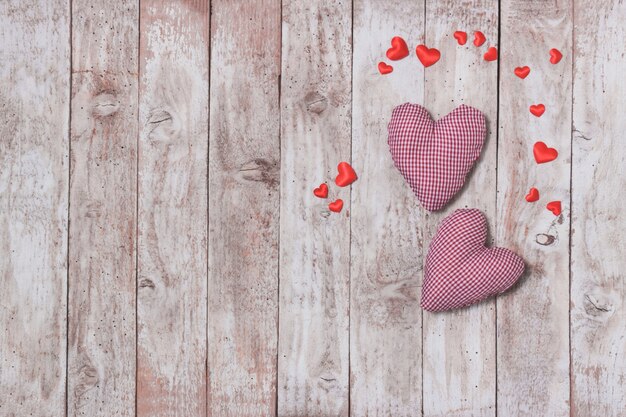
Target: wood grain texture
column 314, row 243
column 533, row 318
column 598, row 294
column 459, row 346
column 244, row 166
column 103, row 176
column 172, row 220
column 34, row 144
column 386, row 241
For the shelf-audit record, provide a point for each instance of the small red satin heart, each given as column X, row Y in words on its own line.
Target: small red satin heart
column 554, row 207
column 544, row 154
column 555, row 56
column 398, row 49
column 384, row 68
column 533, row 195
column 321, row 191
column 427, row 56
column 491, row 54
column 522, row 72
column 479, row 38
column 460, row 36
column 346, row 174
column 537, row 109
column 336, row 205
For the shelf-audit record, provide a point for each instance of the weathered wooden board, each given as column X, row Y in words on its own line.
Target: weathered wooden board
column 244, row 166
column 314, row 243
column 172, row 219
column 34, row 144
column 103, row 177
column 386, row 244
column 533, row 318
column 598, row 294
column 459, row 346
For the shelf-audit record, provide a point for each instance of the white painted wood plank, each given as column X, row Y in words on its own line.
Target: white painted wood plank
column 533, row 319
column 386, row 262
column 101, row 376
column 172, row 220
column 34, row 181
column 459, row 346
column 598, row 294
column 314, row 243
column 244, row 165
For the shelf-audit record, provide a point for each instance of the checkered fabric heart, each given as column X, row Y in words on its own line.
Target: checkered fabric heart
column 435, row 157
column 460, row 270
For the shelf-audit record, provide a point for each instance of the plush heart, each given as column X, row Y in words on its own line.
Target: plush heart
column 537, row 109
column 491, row 54
column 554, row 207
column 427, row 56
column 533, row 195
column 460, row 270
column 398, row 49
column 522, row 72
column 479, row 38
column 555, row 56
column 321, row 191
column 544, row 154
column 384, row 68
column 336, row 205
column 460, row 36
column 435, row 157
column 346, row 174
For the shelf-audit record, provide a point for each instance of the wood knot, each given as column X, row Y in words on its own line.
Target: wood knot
column 260, row 170
column 146, row 283
column 595, row 306
column 105, row 104
column 315, row 102
column 544, row 239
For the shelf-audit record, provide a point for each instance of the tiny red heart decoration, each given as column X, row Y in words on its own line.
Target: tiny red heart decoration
column 336, row 205
column 479, row 38
column 460, row 36
column 522, row 72
column 384, row 68
column 554, row 207
column 321, row 191
column 555, row 56
column 533, row 195
column 460, row 270
column 427, row 56
column 398, row 49
column 537, row 109
column 491, row 54
column 544, row 154
column 346, row 174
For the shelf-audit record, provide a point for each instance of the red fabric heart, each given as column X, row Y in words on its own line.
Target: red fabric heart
column 427, row 56
column 522, row 72
column 537, row 109
column 460, row 270
column 435, row 157
column 554, row 207
column 321, row 191
column 544, row 154
column 555, row 56
column 346, row 174
column 491, row 54
column 461, row 37
column 533, row 195
column 479, row 38
column 398, row 49
column 384, row 68
column 336, row 206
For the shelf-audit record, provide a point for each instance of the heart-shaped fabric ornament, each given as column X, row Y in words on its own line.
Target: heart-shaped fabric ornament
column 491, row 54
column 321, row 191
column 346, row 174
column 544, row 154
column 460, row 36
column 427, row 56
column 479, row 38
column 555, row 56
column 460, row 270
column 554, row 207
column 336, row 205
column 537, row 109
column 384, row 69
column 435, row 157
column 533, row 195
column 398, row 49
column 522, row 72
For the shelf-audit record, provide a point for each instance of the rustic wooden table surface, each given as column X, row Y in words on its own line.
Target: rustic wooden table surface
column 162, row 253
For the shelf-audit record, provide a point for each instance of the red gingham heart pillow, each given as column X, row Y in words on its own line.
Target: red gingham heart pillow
column 460, row 270
column 435, row 157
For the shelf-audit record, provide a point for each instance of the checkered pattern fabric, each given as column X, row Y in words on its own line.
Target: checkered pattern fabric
column 460, row 270
column 435, row 157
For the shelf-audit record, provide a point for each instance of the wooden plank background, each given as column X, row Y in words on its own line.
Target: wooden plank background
column 162, row 254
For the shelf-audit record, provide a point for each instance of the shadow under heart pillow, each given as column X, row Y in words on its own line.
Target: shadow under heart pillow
column 435, row 157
